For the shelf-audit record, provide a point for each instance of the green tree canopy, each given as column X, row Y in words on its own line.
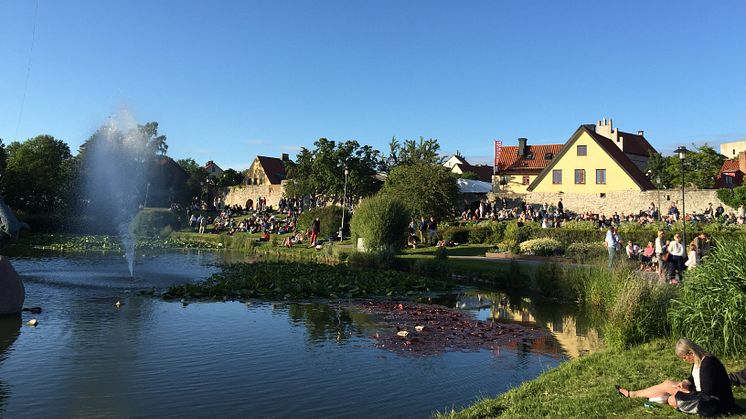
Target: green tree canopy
column 426, row 189
column 37, row 174
column 320, row 172
column 195, row 182
column 229, row 177
column 701, row 167
column 413, row 152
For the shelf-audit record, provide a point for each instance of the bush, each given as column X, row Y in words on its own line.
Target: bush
column 585, row 251
column 479, row 234
column 541, row 247
column 371, row 260
column 330, row 220
column 382, row 223
column 456, row 234
column 710, row 309
column 151, row 221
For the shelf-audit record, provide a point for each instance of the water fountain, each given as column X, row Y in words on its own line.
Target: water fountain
column 115, row 162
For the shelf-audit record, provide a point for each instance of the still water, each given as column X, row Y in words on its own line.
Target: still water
column 88, row 358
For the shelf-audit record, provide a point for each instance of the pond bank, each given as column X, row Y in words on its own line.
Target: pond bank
column 584, row 387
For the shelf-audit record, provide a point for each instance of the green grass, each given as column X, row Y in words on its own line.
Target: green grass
column 584, row 387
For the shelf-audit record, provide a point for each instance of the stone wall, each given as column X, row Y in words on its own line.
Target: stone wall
column 621, row 201
column 238, row 195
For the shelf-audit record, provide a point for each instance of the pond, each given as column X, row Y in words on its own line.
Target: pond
column 149, row 357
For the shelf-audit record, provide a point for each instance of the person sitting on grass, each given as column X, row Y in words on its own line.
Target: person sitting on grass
column 288, row 242
column 412, row 241
column 265, row 236
column 646, row 257
column 706, row 392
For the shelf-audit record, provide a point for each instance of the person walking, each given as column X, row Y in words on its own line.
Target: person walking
column 315, row 229
column 611, row 242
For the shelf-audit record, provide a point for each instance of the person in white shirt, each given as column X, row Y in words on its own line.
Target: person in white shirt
column 676, row 259
column 692, row 257
column 660, row 244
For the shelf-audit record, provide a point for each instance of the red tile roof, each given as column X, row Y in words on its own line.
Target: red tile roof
column 274, row 168
column 730, row 166
column 510, row 160
column 636, row 144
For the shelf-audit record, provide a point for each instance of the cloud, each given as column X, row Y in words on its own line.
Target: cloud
column 291, row 148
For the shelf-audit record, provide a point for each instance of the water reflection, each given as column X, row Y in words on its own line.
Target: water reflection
column 10, row 328
column 574, row 332
column 328, row 322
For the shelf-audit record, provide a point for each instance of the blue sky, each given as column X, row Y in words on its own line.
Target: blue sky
column 228, row 80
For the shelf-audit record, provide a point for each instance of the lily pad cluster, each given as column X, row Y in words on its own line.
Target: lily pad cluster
column 77, row 243
column 423, row 329
column 298, row 281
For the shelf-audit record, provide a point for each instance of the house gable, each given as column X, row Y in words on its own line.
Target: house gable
column 620, row 173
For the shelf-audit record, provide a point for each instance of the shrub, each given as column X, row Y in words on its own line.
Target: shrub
column 541, row 247
column 585, row 251
column 371, row 260
column 330, row 220
column 151, row 221
column 710, row 309
column 382, row 223
column 456, row 234
column 479, row 234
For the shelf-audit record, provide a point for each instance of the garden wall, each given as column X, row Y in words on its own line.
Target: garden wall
column 238, row 195
column 621, row 201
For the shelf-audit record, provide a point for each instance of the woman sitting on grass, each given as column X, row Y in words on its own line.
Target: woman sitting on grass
column 706, row 392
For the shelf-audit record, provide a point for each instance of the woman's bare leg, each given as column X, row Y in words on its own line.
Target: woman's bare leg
column 665, row 388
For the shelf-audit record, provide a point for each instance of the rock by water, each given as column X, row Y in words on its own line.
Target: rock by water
column 12, row 292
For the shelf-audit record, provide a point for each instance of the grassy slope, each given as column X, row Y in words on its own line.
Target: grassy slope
column 585, row 387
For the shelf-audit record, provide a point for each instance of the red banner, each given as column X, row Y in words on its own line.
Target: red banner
column 498, row 149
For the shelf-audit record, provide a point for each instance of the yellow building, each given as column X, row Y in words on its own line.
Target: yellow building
column 597, row 159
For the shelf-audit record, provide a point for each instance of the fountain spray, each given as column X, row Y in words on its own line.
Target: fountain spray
column 115, row 162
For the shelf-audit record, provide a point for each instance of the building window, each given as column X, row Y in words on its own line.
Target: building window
column 600, row 176
column 556, row 177
column 580, row 176
column 530, row 156
column 548, row 156
column 728, row 180
column 582, row 150
column 526, row 180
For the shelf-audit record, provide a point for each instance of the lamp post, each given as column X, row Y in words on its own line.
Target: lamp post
column 658, row 183
column 344, row 198
column 681, row 151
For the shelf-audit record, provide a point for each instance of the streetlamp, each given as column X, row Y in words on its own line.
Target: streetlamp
column 658, row 182
column 681, row 151
column 344, row 197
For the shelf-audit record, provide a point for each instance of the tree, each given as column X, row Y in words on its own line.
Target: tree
column 37, row 174
column 319, row 173
column 195, row 182
column 701, row 168
column 413, row 152
column 426, row 189
column 229, row 177
column 468, row 175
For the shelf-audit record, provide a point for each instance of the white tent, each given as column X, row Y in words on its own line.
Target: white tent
column 473, row 186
